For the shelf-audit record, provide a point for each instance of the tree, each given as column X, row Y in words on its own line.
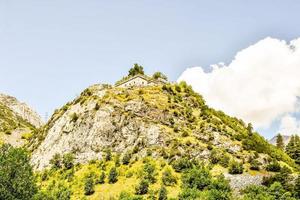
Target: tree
column 158, row 75
column 136, row 69
column 163, row 194
column 196, row 178
column 113, row 176
column 149, row 172
column 250, row 129
column 68, row 160
column 142, row 188
column 89, row 186
column 279, row 142
column 17, row 180
column 297, row 187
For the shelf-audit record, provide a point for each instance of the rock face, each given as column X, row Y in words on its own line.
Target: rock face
column 22, row 110
column 169, row 121
column 240, row 182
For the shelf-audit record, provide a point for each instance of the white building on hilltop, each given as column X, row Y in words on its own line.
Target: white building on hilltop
column 140, row 80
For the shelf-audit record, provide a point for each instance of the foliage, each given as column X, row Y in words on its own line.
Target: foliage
column 68, row 160
column 279, row 142
column 163, row 194
column 182, row 164
column 198, row 178
column 136, row 69
column 274, row 166
column 142, row 188
column 113, row 175
column 126, row 158
column 168, row 178
column 255, row 165
column 158, row 75
column 89, row 186
column 293, row 148
column 101, row 179
column 56, row 161
column 16, row 176
column 235, row 167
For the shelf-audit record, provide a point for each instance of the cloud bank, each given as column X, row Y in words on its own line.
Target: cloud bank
column 260, row 85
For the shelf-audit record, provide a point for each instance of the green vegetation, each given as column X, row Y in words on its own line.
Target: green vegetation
column 16, row 176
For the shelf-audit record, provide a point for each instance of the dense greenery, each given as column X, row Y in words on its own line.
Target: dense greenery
column 16, row 176
column 293, row 148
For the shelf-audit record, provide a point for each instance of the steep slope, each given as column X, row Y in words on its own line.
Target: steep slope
column 17, row 121
column 171, row 121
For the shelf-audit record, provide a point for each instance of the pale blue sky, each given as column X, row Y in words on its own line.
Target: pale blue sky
column 51, row 50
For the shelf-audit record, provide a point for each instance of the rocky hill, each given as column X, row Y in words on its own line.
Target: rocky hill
column 110, row 132
column 17, row 121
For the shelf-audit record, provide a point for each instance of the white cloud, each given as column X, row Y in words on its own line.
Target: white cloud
column 289, row 125
column 260, row 85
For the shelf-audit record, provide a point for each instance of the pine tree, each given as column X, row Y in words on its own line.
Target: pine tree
column 113, row 175
column 279, row 142
column 291, row 147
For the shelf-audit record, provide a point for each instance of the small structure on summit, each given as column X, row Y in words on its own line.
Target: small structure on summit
column 137, row 78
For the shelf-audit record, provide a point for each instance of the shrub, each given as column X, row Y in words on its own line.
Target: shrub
column 68, row 160
column 74, row 117
column 274, row 166
column 56, row 161
column 182, row 164
column 101, row 179
column 196, row 178
column 189, row 194
column 89, row 186
column 113, row 176
column 163, row 194
column 126, row 158
column 142, row 188
column 255, row 165
column 235, row 167
column 108, row 155
column 168, row 178
column 149, row 172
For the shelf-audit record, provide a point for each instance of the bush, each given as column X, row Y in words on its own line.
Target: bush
column 113, row 176
column 163, row 194
column 101, row 179
column 126, row 158
column 255, row 165
column 74, row 117
column 196, row 178
column 68, row 160
column 235, row 167
column 89, row 186
column 274, row 166
column 56, row 161
column 142, row 187
column 108, row 155
column 182, row 164
column 189, row 194
column 149, row 172
column 168, row 178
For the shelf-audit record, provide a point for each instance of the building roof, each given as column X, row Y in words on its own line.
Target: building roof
column 133, row 77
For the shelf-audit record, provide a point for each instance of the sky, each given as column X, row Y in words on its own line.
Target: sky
column 51, row 50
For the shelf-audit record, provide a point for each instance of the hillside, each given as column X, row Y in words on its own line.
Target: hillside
column 168, row 127
column 17, row 121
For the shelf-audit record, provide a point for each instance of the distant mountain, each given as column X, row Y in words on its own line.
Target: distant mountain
column 18, row 121
column 286, row 139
